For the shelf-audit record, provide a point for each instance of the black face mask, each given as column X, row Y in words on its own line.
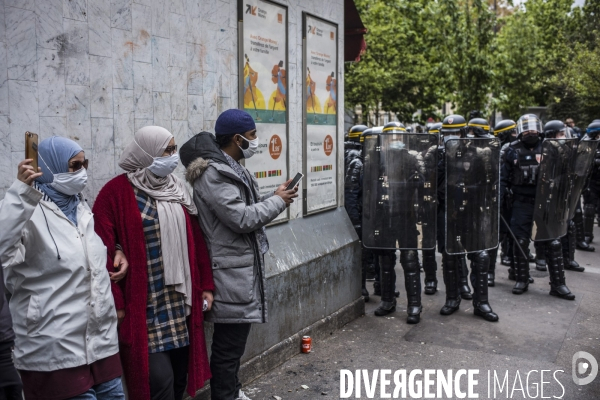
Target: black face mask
column 530, row 140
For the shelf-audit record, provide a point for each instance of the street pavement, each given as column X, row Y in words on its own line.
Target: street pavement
column 536, row 332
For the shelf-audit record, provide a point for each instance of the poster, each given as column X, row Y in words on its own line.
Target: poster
column 263, row 89
column 320, row 114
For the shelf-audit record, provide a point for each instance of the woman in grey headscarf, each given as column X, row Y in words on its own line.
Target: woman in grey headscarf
column 149, row 214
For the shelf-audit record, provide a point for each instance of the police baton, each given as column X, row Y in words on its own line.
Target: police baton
column 516, row 242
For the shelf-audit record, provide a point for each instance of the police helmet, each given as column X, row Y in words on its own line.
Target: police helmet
column 552, row 128
column 479, row 127
column 410, row 129
column 365, row 133
column 394, row 127
column 355, row 132
column 454, row 125
column 529, row 122
column 435, row 128
column 505, row 129
column 593, row 129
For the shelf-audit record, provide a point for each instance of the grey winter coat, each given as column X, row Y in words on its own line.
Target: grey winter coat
column 229, row 220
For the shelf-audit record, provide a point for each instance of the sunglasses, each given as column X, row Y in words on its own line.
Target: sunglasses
column 77, row 165
column 171, row 149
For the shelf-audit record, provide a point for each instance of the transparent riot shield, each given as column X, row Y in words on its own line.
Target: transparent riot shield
column 399, row 191
column 472, row 194
column 581, row 166
column 555, row 181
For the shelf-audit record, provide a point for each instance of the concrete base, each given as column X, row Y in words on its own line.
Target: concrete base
column 313, row 288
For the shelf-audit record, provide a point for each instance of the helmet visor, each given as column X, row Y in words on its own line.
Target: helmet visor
column 529, row 123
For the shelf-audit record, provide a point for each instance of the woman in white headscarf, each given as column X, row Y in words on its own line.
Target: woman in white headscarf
column 149, row 214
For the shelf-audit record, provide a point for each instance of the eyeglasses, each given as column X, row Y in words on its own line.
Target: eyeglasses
column 171, row 149
column 77, row 165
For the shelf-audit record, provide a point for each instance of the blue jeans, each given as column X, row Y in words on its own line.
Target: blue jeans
column 111, row 390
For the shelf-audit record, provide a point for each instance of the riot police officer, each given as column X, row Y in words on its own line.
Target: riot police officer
column 353, row 164
column 476, row 163
column 591, row 195
column 520, row 176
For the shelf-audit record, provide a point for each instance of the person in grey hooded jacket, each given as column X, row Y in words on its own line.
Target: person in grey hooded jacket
column 233, row 218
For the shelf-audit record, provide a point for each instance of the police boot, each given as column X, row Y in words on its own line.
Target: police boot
column 412, row 282
column 568, row 249
column 463, row 279
column 388, row 278
column 430, row 269
column 521, row 268
column 580, row 232
column 491, row 274
column 589, row 212
column 450, row 265
column 506, row 258
column 554, row 258
column 479, row 274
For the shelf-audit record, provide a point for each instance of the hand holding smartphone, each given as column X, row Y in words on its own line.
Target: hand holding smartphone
column 31, row 149
column 295, row 181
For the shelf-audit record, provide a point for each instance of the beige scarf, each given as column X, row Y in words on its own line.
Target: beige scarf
column 170, row 194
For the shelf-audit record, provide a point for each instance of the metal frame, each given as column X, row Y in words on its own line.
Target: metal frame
column 305, row 211
column 240, row 16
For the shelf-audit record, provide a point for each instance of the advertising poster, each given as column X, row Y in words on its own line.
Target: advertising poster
column 320, row 114
column 263, row 90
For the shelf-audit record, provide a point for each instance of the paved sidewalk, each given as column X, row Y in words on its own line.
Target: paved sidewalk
column 536, row 331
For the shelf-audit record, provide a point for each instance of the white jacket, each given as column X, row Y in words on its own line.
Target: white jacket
column 63, row 310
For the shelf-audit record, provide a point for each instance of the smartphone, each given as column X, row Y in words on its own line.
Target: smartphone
column 205, row 305
column 31, row 149
column 294, row 181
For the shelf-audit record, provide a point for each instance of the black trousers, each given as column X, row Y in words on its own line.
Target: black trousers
column 168, row 373
column 10, row 383
column 228, row 346
column 521, row 222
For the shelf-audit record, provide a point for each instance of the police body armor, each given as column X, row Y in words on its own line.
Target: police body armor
column 472, row 194
column 352, row 181
column 528, row 161
column 399, row 194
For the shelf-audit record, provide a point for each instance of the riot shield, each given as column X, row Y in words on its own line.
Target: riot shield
column 399, row 191
column 472, row 194
column 581, row 167
column 551, row 210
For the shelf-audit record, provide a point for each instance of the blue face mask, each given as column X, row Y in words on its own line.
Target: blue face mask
column 164, row 166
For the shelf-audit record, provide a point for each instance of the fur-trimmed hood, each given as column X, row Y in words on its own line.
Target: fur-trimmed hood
column 195, row 169
column 197, row 153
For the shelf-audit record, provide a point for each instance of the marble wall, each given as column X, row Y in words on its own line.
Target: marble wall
column 98, row 70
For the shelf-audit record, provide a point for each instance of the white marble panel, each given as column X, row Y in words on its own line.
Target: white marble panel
column 99, row 24
column 78, row 115
column 180, row 131
column 3, row 80
column 2, row 25
column 178, row 80
column 142, row 90
column 209, row 125
column 74, row 9
column 52, row 126
column 120, row 14
column 177, row 52
column 24, row 114
column 24, row 4
column 293, row 35
column 122, row 48
column 140, row 123
column 233, row 11
column 178, row 7
column 210, row 94
column 227, row 62
column 223, row 103
column 162, row 109
column 6, row 167
column 75, row 50
column 209, row 43
column 123, row 117
column 234, row 90
column 101, row 87
column 51, row 83
column 142, row 23
column 103, row 148
column 160, row 64
column 209, row 10
column 194, row 62
column 49, row 22
column 194, row 21
column 143, row 2
column 160, row 18
column 223, row 14
column 195, row 114
column 20, row 36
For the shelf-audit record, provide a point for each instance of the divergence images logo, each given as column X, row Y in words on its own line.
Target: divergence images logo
column 251, row 9
column 581, row 367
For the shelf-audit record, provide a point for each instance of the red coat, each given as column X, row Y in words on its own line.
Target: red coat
column 118, row 221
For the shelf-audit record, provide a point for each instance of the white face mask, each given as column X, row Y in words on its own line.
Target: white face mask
column 70, row 183
column 164, row 166
column 252, row 148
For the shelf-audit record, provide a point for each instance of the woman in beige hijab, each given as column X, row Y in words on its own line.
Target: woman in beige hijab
column 149, row 215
